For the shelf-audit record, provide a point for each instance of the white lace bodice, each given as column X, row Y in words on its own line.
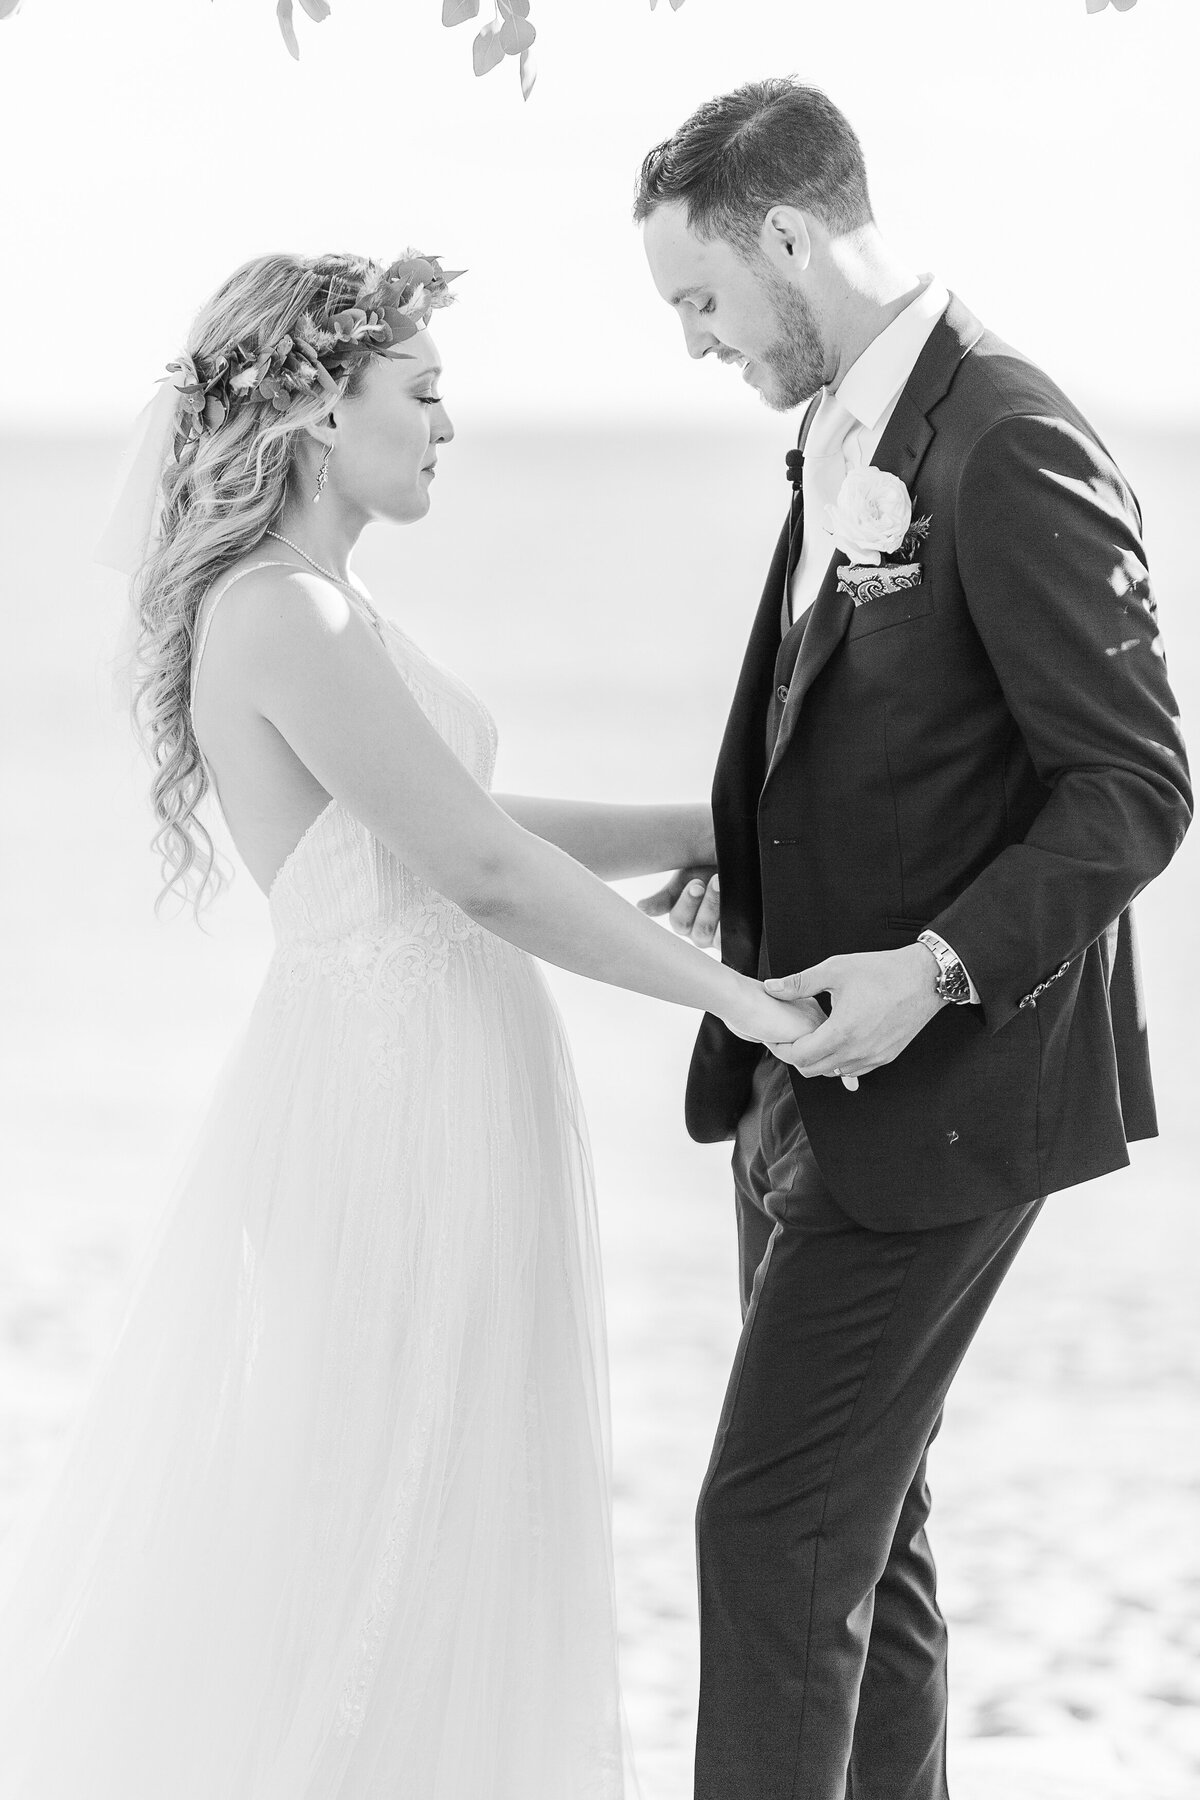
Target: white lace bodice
column 340, row 885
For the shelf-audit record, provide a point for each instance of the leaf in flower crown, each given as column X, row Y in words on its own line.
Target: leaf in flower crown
column 359, row 328
column 8, row 8
column 528, row 73
column 395, row 296
column 513, row 9
column 316, row 9
column 402, row 327
column 183, row 365
column 215, row 412
column 346, row 324
column 457, row 12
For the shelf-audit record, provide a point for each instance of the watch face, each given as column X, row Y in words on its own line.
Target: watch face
column 951, row 982
column 953, row 986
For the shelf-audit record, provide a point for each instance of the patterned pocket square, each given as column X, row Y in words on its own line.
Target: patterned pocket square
column 872, row 581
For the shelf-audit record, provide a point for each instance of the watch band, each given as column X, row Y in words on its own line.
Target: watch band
column 952, row 982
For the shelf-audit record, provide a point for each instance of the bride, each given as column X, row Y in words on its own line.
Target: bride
column 335, row 1523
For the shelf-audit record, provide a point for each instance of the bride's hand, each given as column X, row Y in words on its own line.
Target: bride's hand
column 776, row 1023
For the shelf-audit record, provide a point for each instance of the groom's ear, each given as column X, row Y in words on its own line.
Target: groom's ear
column 785, row 239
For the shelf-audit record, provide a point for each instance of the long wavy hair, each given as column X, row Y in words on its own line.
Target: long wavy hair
column 219, row 497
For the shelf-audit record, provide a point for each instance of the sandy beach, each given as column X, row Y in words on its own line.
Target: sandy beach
column 597, row 590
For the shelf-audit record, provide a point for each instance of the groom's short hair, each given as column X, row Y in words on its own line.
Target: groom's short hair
column 769, row 143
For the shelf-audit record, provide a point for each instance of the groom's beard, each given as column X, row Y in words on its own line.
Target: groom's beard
column 796, row 356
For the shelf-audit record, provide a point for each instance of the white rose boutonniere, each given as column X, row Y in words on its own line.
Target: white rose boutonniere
column 872, row 518
column 871, row 514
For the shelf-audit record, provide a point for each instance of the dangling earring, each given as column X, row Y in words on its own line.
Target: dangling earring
column 322, row 471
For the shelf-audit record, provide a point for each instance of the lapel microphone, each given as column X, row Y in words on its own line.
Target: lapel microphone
column 795, row 468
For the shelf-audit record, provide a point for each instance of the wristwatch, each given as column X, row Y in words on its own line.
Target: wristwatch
column 952, row 982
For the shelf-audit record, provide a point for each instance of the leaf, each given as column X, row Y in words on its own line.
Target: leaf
column 283, row 12
column 1097, row 6
column 528, row 76
column 487, row 52
column 457, row 12
column 316, row 9
column 513, row 9
column 8, row 8
column 516, row 36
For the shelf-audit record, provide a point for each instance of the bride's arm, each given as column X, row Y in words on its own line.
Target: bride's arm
column 307, row 662
column 615, row 841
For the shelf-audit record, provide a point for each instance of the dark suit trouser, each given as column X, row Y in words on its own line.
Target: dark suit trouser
column 823, row 1651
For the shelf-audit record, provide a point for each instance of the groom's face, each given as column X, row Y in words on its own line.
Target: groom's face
column 739, row 309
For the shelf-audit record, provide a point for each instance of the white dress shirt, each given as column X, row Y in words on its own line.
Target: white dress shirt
column 851, row 420
column 846, row 432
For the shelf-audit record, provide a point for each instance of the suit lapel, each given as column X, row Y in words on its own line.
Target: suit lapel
column 742, row 760
column 901, row 452
column 738, row 780
column 796, row 540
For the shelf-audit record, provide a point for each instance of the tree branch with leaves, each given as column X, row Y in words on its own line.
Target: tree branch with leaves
column 509, row 32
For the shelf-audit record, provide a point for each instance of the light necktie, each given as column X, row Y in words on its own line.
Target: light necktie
column 829, row 452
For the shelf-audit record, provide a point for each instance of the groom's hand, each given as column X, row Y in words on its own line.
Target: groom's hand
column 692, row 899
column 881, row 1000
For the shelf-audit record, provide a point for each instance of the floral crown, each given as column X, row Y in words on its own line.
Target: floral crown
column 318, row 355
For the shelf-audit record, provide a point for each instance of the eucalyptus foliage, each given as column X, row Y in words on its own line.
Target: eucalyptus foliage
column 509, row 32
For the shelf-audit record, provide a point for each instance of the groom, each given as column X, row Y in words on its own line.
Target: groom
column 952, row 761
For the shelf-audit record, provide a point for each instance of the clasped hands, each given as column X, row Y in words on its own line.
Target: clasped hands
column 879, row 999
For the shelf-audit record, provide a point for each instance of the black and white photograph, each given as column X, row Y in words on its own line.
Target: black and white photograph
column 599, row 1146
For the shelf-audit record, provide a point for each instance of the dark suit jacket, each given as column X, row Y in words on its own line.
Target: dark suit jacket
column 994, row 754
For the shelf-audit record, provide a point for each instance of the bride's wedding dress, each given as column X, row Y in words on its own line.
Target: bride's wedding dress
column 335, row 1524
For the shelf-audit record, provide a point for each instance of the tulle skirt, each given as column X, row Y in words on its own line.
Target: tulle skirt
column 335, row 1524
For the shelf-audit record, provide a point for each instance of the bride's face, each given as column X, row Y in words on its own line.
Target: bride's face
column 388, row 435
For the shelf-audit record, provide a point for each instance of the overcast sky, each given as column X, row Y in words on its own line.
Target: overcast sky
column 1043, row 161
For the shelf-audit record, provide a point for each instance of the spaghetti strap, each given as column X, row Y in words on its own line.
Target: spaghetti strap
column 208, row 607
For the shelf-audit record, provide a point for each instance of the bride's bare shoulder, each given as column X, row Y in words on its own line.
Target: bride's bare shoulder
column 261, row 604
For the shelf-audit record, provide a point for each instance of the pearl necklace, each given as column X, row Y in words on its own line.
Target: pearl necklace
column 313, row 563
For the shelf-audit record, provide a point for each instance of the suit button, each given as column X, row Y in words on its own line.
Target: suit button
column 781, row 693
